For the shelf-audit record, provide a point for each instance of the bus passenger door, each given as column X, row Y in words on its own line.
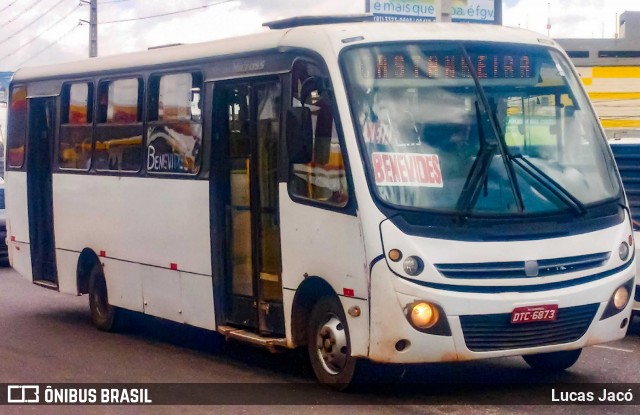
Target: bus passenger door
column 245, row 151
column 42, row 112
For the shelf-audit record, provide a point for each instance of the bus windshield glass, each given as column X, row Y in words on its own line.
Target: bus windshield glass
column 477, row 129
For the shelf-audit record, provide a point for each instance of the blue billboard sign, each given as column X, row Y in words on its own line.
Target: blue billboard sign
column 5, row 78
column 474, row 11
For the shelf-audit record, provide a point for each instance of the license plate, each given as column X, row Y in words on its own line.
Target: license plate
column 546, row 312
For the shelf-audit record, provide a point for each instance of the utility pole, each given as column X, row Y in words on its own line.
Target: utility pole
column 445, row 10
column 549, row 19
column 93, row 26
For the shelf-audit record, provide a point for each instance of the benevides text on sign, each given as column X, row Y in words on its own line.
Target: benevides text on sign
column 163, row 162
column 407, row 169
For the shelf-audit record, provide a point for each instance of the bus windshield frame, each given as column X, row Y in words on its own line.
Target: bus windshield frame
column 476, row 129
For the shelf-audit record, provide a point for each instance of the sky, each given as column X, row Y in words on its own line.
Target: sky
column 37, row 32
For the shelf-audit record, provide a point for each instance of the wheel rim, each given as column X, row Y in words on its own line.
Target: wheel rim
column 331, row 341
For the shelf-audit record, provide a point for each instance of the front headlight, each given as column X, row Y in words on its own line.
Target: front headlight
column 427, row 317
column 412, row 265
column 424, row 315
column 623, row 251
column 619, row 300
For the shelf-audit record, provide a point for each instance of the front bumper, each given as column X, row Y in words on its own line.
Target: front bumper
column 480, row 325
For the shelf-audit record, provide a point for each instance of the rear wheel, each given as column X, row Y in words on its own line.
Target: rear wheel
column 554, row 361
column 329, row 345
column 103, row 314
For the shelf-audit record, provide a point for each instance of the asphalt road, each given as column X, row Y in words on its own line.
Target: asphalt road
column 47, row 338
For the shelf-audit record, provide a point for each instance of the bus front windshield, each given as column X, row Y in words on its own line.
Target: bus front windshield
column 477, row 129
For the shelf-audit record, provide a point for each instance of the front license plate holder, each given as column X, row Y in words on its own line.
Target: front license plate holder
column 534, row 314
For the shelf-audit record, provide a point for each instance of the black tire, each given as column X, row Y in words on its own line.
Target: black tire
column 554, row 361
column 329, row 345
column 631, row 327
column 103, row 314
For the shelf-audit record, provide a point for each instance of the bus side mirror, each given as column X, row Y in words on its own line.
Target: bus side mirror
column 299, row 135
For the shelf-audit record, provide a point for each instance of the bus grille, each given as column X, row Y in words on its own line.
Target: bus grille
column 483, row 333
column 628, row 160
column 516, row 269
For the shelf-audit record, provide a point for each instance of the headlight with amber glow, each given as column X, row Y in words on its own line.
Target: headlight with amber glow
column 621, row 298
column 424, row 315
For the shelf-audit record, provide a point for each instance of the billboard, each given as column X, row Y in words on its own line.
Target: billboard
column 5, row 78
column 474, row 11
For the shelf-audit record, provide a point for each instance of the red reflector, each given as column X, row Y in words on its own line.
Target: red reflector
column 13, row 238
column 174, row 267
column 348, row 292
column 103, row 253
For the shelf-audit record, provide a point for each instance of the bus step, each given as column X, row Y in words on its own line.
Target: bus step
column 271, row 343
column 46, row 284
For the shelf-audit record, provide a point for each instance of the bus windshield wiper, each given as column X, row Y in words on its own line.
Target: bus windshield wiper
column 550, row 184
column 477, row 176
column 484, row 113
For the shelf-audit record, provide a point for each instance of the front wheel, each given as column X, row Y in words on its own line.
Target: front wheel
column 329, row 346
column 103, row 314
column 554, row 361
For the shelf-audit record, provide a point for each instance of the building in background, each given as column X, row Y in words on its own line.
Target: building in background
column 5, row 78
column 610, row 71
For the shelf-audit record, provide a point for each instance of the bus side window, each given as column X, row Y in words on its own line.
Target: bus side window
column 324, row 178
column 76, row 132
column 119, row 131
column 17, row 132
column 174, row 135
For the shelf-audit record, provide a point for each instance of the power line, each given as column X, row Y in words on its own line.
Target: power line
column 32, row 22
column 41, row 33
column 9, row 5
column 17, row 16
column 167, row 14
column 48, row 46
column 108, row 22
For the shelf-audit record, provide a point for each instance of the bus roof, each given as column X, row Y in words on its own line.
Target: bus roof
column 313, row 37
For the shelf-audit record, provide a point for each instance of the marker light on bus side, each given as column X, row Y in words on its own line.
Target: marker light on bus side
column 395, row 255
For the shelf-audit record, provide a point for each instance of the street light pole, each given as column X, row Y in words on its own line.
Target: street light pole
column 93, row 26
column 549, row 19
column 445, row 10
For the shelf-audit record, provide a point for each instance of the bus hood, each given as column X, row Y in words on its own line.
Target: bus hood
column 501, row 266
